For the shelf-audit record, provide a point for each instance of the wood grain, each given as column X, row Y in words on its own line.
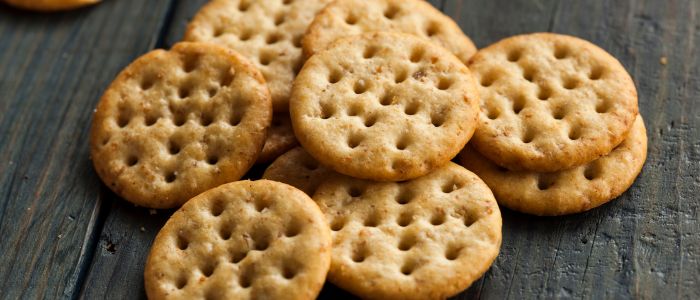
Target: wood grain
column 66, row 236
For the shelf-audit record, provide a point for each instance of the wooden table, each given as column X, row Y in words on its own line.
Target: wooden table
column 64, row 235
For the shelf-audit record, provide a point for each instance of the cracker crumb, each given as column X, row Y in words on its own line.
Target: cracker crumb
column 663, row 60
column 60, row 236
column 152, row 211
column 142, row 229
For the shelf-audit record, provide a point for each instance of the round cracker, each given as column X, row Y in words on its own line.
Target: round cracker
column 565, row 192
column 298, row 169
column 349, row 17
column 176, row 123
column 428, row 238
column 50, row 5
column 269, row 32
column 384, row 106
column 242, row 240
column 550, row 102
column 280, row 139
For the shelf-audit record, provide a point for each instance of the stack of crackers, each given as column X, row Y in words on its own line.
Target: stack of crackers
column 362, row 105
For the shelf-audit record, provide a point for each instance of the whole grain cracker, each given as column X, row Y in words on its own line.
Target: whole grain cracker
column 50, row 5
column 298, row 169
column 176, row 123
column 565, row 192
column 384, row 106
column 349, row 17
column 280, row 138
column 269, row 32
column 550, row 102
column 242, row 240
column 428, row 238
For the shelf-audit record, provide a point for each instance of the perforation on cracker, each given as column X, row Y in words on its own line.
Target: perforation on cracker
column 550, row 102
column 427, row 238
column 269, row 32
column 351, row 17
column 353, row 115
column 565, row 192
column 158, row 146
column 244, row 240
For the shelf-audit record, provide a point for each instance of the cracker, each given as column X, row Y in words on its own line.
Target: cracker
column 269, row 32
column 176, row 123
column 550, row 102
column 565, row 192
column 242, row 240
column 384, row 106
column 428, row 238
column 50, row 5
column 298, row 169
column 280, row 138
column 350, row 17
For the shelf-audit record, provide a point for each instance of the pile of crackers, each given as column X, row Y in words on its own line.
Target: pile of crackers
column 392, row 142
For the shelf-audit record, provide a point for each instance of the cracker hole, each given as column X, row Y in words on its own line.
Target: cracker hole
column 225, row 232
column 245, row 35
column 147, row 82
column 226, row 78
column 401, row 76
column 529, row 74
column 417, row 54
column 327, row 112
column 261, row 204
column 206, row 119
column 603, row 106
column 261, row 241
column 335, row 76
column 545, row 181
column 469, row 220
column 182, row 243
column 559, row 113
column 266, row 57
column 351, row 19
column 238, row 256
column 408, row 268
column 179, row 119
column 236, row 118
column 273, row 38
column 433, row 29
column 190, row 64
column 293, row 229
column 217, row 32
column 575, row 133
column 403, row 143
column 151, row 120
column 561, row 52
column 280, row 18
column 437, row 119
column 370, row 121
column 570, row 83
column 244, row 5
column 450, row 186
column 391, row 12
column 184, row 91
column 372, row 220
column 213, row 160
column 123, row 119
column 181, row 282
column 217, row 208
column 370, row 52
column 519, row 102
column 297, row 41
column 544, row 93
column 404, row 197
column 438, row 219
column 355, row 192
column 287, row 2
column 361, row 86
column 387, row 99
column 591, row 172
column 354, row 110
column 354, row 141
column 246, row 279
column 488, row 79
column 514, row 55
column 445, row 83
column 596, row 73
column 337, row 224
column 407, row 242
column 212, row 92
column 288, row 272
column 359, row 254
column 452, row 252
column 208, row 269
column 170, row 177
column 528, row 136
column 405, row 219
column 493, row 114
column 412, row 108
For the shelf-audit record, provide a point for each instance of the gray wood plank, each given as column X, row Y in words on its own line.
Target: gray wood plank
column 51, row 208
column 641, row 245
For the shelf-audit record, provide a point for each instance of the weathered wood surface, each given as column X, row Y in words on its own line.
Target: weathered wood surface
column 66, row 236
